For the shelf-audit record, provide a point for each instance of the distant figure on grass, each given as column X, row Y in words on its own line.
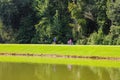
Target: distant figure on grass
column 70, row 42
column 54, row 40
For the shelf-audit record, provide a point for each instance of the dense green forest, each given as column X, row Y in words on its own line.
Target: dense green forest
column 39, row 21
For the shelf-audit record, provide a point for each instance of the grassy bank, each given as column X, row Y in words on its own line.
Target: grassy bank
column 61, row 49
column 107, row 51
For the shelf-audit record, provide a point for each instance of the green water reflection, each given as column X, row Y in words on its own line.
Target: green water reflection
column 22, row 71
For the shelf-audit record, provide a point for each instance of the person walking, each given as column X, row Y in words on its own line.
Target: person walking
column 54, row 40
column 70, row 42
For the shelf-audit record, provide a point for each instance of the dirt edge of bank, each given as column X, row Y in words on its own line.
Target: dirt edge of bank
column 62, row 56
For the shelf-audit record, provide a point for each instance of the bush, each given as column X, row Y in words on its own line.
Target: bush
column 82, row 41
column 107, row 40
column 118, row 41
column 114, row 36
column 96, row 38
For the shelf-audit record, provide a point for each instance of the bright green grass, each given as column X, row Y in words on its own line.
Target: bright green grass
column 113, row 51
column 61, row 49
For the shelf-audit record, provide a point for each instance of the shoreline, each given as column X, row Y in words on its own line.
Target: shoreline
column 62, row 56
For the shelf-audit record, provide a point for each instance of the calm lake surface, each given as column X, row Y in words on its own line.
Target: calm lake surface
column 24, row 71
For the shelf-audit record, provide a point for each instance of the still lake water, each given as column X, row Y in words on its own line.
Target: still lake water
column 24, row 71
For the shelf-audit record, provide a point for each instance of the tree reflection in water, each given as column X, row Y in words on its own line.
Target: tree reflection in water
column 23, row 71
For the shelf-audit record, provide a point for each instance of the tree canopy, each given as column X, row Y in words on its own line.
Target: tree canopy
column 39, row 21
